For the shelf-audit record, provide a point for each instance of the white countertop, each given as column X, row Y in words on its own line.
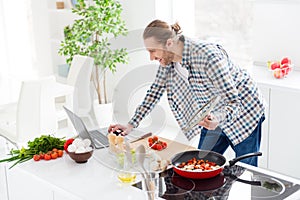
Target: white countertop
column 86, row 181
column 264, row 76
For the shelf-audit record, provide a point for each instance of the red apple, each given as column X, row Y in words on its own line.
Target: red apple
column 278, row 73
column 275, row 65
column 285, row 60
column 285, row 68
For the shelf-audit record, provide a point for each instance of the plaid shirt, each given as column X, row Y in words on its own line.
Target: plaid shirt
column 210, row 73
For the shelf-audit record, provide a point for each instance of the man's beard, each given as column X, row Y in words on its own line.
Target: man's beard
column 167, row 57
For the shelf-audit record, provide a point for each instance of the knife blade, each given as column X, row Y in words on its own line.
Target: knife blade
column 140, row 138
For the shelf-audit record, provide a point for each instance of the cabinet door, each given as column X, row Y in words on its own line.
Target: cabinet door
column 22, row 185
column 3, row 185
column 284, row 135
column 264, row 147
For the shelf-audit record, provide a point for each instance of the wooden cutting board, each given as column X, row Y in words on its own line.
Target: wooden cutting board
column 167, row 153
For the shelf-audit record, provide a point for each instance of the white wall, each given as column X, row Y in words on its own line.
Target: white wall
column 276, row 30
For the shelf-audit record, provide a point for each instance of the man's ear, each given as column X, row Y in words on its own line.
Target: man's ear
column 169, row 42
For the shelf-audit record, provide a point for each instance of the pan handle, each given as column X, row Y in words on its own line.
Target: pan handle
column 235, row 160
column 234, row 177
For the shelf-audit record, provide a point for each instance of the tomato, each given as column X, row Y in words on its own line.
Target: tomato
column 54, row 149
column 159, row 147
column 54, row 155
column 67, row 143
column 36, row 157
column 60, row 153
column 285, row 60
column 275, row 65
column 42, row 155
column 150, row 144
column 154, row 147
column 47, row 157
column 156, row 144
column 155, row 138
column 150, row 140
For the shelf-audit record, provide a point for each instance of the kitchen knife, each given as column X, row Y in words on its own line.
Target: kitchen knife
column 140, row 138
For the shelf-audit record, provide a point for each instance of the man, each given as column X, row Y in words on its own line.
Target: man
column 192, row 73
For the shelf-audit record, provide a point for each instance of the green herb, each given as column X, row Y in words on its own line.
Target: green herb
column 41, row 144
column 272, row 186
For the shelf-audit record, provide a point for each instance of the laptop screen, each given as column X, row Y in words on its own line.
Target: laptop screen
column 78, row 124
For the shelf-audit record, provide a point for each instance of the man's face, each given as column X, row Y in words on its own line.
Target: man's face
column 158, row 52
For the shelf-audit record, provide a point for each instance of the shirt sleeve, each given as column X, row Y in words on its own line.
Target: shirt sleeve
column 220, row 73
column 152, row 97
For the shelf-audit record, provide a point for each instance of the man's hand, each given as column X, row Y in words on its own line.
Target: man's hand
column 209, row 122
column 125, row 129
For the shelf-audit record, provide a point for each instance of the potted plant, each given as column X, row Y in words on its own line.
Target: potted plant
column 90, row 35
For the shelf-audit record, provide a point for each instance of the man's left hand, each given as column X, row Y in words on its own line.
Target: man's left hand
column 209, row 122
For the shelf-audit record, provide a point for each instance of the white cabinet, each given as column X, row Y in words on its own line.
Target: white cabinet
column 3, row 185
column 264, row 146
column 284, row 133
column 22, row 184
column 280, row 133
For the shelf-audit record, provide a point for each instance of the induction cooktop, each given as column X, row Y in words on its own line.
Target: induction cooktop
column 236, row 182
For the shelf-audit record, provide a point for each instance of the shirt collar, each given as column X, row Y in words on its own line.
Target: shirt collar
column 186, row 51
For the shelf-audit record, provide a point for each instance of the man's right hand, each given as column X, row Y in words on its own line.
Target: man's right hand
column 125, row 129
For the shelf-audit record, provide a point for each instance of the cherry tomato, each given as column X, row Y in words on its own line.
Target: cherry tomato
column 42, row 155
column 155, row 138
column 54, row 149
column 150, row 140
column 60, row 153
column 36, row 157
column 54, row 155
column 159, row 147
column 47, row 157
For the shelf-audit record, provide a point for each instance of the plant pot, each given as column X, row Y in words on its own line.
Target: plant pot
column 103, row 114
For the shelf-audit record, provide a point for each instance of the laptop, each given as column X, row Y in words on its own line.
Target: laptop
column 98, row 137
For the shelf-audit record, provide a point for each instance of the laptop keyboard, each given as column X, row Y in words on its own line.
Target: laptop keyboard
column 100, row 140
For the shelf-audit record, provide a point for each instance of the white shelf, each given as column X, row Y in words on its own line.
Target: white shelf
column 58, row 20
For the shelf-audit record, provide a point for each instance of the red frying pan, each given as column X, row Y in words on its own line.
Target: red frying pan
column 205, row 155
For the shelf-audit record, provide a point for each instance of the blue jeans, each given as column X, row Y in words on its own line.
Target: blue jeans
column 216, row 140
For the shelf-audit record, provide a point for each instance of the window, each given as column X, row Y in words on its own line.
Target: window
column 16, row 48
